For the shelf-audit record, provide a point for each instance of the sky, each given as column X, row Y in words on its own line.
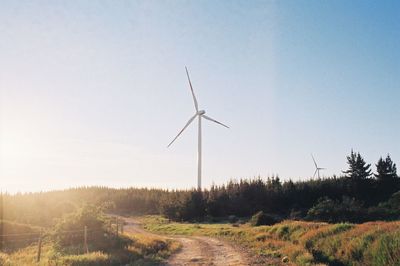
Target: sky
column 92, row 92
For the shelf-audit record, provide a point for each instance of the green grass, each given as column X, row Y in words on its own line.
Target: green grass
column 304, row 243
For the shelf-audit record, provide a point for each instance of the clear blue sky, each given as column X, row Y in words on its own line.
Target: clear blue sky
column 93, row 91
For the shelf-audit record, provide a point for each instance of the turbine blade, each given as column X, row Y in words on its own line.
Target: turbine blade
column 315, row 163
column 196, row 105
column 187, row 124
column 213, row 120
column 316, row 170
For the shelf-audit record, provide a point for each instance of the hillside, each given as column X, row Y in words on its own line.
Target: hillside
column 83, row 237
column 302, row 243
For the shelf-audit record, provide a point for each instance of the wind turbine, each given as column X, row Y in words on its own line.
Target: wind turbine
column 317, row 169
column 199, row 114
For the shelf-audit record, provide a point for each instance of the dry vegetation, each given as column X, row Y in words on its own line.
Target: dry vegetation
column 138, row 249
column 144, row 250
column 304, row 243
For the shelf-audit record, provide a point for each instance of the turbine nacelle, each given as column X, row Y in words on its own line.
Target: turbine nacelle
column 201, row 112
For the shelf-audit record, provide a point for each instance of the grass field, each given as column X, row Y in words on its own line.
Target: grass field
column 144, row 250
column 303, row 243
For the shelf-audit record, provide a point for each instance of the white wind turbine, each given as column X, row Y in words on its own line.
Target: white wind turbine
column 317, row 169
column 199, row 114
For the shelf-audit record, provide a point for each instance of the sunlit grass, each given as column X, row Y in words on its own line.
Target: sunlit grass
column 305, row 243
column 145, row 250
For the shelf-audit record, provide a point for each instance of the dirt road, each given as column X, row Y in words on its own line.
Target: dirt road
column 199, row 250
column 207, row 251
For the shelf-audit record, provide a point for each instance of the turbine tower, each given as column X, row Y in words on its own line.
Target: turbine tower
column 317, row 169
column 199, row 114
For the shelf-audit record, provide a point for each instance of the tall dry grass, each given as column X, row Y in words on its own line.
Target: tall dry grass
column 304, row 243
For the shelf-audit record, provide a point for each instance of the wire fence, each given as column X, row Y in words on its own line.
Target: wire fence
column 24, row 239
column 35, row 236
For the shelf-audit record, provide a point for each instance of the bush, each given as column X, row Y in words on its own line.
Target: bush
column 328, row 210
column 68, row 233
column 260, row 218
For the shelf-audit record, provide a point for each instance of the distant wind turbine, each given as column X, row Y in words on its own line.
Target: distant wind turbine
column 317, row 169
column 199, row 114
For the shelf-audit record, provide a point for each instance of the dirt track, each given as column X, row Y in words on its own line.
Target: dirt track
column 206, row 251
column 199, row 250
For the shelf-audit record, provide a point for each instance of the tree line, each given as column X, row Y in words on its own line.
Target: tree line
column 357, row 195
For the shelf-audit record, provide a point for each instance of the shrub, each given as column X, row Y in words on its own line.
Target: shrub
column 68, row 233
column 260, row 218
column 328, row 210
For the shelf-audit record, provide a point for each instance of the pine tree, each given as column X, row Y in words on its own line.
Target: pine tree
column 387, row 180
column 358, row 168
column 386, row 170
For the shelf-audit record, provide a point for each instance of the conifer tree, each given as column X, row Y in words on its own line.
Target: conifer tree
column 387, row 180
column 358, row 168
column 386, row 170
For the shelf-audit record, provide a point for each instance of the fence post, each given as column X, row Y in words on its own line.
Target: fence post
column 39, row 251
column 116, row 221
column 122, row 227
column 85, row 245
